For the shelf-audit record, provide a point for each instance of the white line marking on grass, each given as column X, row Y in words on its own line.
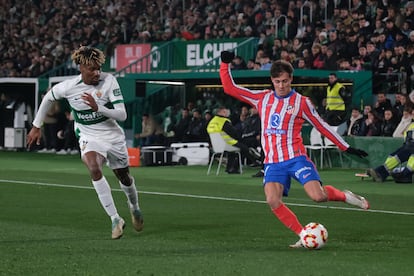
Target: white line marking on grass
column 209, row 197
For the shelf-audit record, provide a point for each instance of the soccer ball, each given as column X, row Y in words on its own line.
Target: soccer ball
column 314, row 235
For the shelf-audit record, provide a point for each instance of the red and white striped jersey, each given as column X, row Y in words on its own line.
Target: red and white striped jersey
column 281, row 119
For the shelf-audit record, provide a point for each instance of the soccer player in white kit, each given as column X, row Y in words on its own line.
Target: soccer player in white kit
column 97, row 104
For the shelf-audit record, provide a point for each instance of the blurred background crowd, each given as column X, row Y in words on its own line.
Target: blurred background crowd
column 372, row 35
column 375, row 35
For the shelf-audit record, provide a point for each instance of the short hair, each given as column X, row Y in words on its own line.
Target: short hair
column 279, row 67
column 88, row 56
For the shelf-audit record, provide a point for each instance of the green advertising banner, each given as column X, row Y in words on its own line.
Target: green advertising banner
column 186, row 55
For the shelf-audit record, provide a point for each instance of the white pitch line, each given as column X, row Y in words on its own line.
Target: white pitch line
column 208, row 197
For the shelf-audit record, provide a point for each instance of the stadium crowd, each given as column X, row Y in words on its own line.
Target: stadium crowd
column 373, row 35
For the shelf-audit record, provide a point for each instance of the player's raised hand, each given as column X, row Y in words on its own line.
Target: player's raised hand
column 227, row 56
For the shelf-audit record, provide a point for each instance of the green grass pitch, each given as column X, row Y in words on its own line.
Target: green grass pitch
column 51, row 223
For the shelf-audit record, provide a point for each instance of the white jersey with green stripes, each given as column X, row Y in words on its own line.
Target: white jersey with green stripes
column 88, row 122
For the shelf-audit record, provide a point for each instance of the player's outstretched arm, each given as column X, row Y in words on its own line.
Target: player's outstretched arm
column 35, row 133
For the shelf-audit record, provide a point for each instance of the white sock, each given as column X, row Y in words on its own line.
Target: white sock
column 132, row 194
column 105, row 197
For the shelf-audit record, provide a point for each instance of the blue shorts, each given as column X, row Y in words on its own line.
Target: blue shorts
column 300, row 168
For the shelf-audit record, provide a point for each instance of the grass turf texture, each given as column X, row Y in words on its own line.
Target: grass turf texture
column 52, row 224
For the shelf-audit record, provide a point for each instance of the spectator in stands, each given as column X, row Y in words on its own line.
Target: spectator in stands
column 364, row 57
column 190, row 107
column 388, row 124
column 265, row 62
column 317, row 59
column 298, row 46
column 331, row 62
column 207, row 116
column 251, row 137
column 335, row 43
column 373, row 54
column 250, row 64
column 404, row 122
column 251, row 129
column 379, row 27
column 365, row 28
column 196, row 131
column 151, row 132
column 401, row 101
column 191, row 29
column 371, row 126
column 354, row 123
column 390, row 32
column 182, row 125
column 409, row 11
column 357, row 64
column 383, row 63
column 410, row 67
column 238, row 63
column 300, row 63
column 129, row 21
column 239, row 124
column 382, row 104
column 367, row 108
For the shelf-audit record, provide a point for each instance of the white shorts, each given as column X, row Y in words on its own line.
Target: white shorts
column 115, row 151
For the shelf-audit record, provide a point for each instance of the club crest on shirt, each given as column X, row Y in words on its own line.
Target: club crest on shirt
column 98, row 94
column 290, row 109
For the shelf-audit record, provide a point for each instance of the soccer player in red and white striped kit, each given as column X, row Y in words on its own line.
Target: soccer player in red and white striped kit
column 282, row 112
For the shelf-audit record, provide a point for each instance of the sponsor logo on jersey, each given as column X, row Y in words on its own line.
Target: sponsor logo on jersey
column 274, row 124
column 117, row 92
column 98, row 94
column 275, row 120
column 88, row 117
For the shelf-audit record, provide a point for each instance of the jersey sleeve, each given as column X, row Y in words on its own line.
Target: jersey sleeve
column 58, row 90
column 115, row 94
column 44, row 107
column 311, row 115
column 118, row 112
column 251, row 97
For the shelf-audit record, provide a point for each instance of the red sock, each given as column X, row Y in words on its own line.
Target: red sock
column 334, row 194
column 288, row 218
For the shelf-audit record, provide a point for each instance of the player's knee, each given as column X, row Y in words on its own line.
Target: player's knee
column 273, row 201
column 320, row 197
column 125, row 180
column 95, row 172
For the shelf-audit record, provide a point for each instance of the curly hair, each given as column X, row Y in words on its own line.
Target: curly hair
column 88, row 56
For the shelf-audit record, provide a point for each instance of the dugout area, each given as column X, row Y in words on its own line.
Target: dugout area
column 163, row 94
